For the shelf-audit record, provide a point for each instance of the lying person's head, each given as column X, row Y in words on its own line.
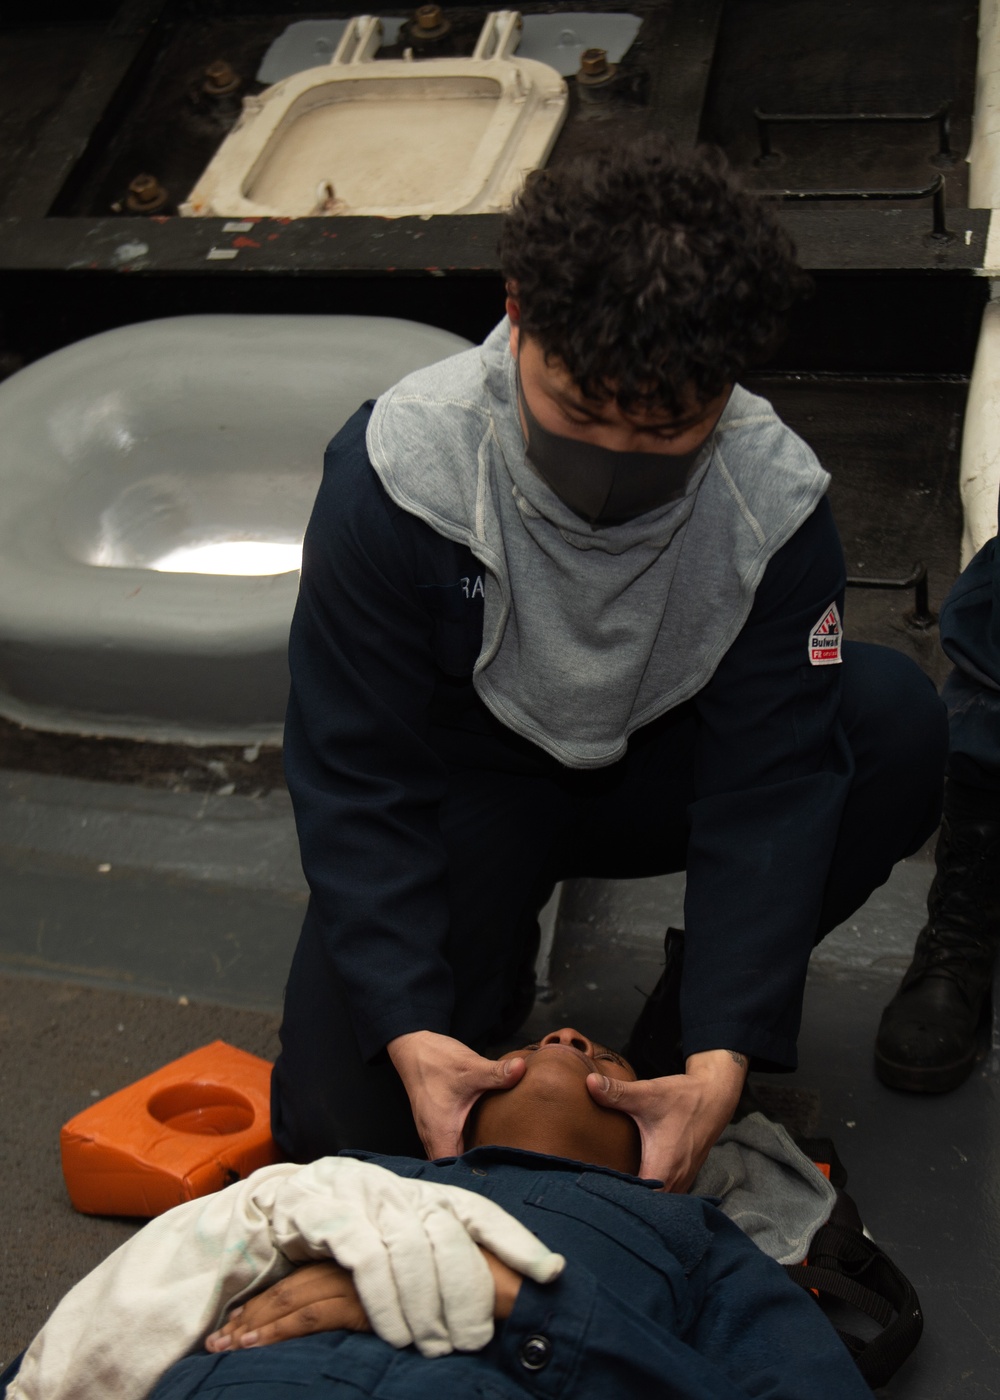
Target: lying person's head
column 550, row 1109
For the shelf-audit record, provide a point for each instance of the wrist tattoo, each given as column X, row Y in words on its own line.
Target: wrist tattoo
column 737, row 1058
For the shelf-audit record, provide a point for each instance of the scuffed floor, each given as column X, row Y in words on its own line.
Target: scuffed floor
column 61, row 1047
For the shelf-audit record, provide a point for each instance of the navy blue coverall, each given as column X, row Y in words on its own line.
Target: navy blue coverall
column 662, row 1298
column 970, row 635
column 431, row 834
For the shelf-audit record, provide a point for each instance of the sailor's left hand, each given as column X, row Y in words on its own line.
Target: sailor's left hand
column 680, row 1116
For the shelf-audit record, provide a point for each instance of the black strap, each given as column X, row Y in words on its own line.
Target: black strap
column 845, row 1264
column 866, row 1300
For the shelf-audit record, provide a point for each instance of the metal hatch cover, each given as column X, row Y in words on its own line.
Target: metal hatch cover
column 393, row 138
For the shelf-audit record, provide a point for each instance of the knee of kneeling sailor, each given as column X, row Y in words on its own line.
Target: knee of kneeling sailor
column 896, row 704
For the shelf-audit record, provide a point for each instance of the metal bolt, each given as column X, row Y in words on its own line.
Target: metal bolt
column 596, row 79
column 220, row 79
column 594, row 62
column 428, row 16
column 146, row 195
column 428, row 26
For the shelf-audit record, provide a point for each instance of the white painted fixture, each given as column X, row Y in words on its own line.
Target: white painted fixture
column 389, row 138
column 980, row 470
column 155, row 483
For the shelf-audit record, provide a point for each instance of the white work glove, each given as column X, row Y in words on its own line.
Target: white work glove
column 411, row 1244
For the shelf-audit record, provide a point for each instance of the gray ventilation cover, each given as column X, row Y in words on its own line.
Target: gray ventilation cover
column 559, row 40
column 309, row 44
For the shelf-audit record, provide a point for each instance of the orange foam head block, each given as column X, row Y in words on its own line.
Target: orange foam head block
column 190, row 1128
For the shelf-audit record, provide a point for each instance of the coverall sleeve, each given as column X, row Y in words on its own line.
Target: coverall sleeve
column 752, row 1333
column 773, row 770
column 365, row 784
column 764, row 1332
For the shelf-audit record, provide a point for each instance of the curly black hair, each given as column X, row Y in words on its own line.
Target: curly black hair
column 649, row 270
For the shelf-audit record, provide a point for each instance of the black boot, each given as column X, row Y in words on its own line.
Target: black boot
column 935, row 1026
column 654, row 1046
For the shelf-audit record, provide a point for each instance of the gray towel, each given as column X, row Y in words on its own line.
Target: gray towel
column 767, row 1187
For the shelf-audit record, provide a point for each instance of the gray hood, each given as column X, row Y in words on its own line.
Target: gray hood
column 589, row 633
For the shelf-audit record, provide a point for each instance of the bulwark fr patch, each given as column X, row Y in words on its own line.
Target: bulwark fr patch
column 825, row 639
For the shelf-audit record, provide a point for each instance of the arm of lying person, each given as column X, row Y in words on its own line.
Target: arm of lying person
column 321, row 1297
column 766, row 1334
column 157, row 1297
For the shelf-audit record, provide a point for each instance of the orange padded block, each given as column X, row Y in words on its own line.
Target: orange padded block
column 190, row 1128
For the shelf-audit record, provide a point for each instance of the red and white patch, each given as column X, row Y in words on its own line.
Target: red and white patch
column 825, row 639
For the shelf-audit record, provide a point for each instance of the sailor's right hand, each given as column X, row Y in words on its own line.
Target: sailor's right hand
column 321, row 1297
column 318, row 1297
column 443, row 1079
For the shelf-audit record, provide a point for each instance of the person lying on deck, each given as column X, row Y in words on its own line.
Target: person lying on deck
column 535, row 1263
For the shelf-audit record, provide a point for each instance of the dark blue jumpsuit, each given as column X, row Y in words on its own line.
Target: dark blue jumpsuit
column 662, row 1298
column 970, row 634
column 431, row 834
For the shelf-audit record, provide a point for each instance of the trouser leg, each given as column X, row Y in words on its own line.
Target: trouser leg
column 324, row 1096
column 897, row 731
column 895, row 726
column 501, row 831
column 974, row 732
column 498, row 831
column 629, row 820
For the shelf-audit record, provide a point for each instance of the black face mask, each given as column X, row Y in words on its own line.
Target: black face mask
column 600, row 485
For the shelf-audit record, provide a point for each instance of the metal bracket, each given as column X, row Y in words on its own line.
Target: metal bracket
column 360, row 40
column 499, row 35
column 921, row 618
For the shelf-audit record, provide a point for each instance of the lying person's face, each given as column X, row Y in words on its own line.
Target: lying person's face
column 551, row 1110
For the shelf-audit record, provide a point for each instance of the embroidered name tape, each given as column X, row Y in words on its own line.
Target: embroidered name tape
column 825, row 639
